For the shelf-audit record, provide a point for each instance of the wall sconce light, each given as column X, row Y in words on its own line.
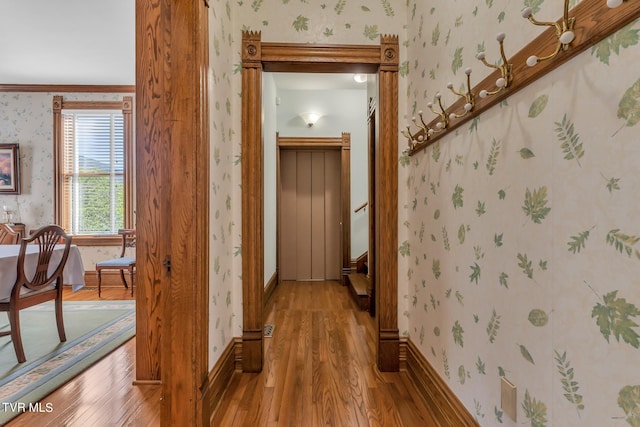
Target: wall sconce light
column 506, row 78
column 468, row 97
column 564, row 31
column 614, row 3
column 360, row 78
column 310, row 118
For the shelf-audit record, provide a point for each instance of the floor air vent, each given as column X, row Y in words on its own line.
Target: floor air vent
column 268, row 330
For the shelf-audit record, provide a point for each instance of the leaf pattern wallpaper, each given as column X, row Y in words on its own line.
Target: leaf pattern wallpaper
column 532, row 212
column 225, row 293
column 519, row 244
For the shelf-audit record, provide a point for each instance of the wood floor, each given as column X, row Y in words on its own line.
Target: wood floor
column 320, row 369
column 103, row 395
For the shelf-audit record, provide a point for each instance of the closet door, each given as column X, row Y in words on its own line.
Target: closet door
column 310, row 215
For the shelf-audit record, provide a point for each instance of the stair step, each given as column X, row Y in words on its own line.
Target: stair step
column 359, row 283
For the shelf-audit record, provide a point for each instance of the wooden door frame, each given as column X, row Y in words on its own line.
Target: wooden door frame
column 172, row 202
column 371, row 169
column 343, row 144
column 381, row 59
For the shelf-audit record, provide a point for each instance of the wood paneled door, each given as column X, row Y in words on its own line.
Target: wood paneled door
column 310, row 231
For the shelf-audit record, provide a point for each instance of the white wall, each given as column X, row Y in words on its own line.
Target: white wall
column 270, row 181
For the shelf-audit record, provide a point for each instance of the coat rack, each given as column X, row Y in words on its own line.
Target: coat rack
column 588, row 23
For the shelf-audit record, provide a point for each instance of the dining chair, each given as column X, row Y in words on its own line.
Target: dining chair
column 35, row 287
column 8, row 236
column 126, row 261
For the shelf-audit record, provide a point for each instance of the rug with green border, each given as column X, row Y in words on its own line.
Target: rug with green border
column 93, row 329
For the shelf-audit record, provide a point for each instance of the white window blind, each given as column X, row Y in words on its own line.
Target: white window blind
column 93, row 172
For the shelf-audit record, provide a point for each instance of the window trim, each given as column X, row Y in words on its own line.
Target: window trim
column 126, row 106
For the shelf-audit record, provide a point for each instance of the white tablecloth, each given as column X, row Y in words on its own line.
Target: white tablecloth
column 73, row 273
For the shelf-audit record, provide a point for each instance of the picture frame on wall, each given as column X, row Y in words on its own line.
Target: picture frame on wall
column 9, row 169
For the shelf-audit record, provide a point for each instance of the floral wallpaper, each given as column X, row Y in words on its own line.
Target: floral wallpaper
column 296, row 21
column 522, row 247
column 26, row 119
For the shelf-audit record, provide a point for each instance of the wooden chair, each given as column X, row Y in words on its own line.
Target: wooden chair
column 123, row 262
column 8, row 236
column 41, row 286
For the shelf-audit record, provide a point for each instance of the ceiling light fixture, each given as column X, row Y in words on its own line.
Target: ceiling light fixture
column 360, row 78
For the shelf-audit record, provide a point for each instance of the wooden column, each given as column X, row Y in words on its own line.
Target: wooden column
column 252, row 204
column 127, row 115
column 172, row 177
column 386, row 208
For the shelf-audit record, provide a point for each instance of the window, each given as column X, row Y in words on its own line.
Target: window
column 93, row 164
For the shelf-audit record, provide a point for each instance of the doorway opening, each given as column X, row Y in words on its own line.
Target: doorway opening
column 279, row 57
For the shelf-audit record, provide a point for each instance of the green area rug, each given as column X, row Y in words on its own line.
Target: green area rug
column 93, row 329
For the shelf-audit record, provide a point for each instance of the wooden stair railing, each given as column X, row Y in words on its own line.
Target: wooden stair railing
column 362, row 206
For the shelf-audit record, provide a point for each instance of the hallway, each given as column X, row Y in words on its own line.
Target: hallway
column 320, row 369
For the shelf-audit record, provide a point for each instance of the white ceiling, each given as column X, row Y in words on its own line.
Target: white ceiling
column 67, row 42
column 92, row 42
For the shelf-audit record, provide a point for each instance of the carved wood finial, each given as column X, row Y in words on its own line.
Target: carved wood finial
column 389, row 52
column 57, row 103
column 127, row 104
column 251, row 47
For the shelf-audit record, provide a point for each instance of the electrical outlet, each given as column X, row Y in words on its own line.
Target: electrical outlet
column 508, row 398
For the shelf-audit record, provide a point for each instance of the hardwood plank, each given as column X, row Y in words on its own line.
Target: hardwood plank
column 320, row 369
column 104, row 394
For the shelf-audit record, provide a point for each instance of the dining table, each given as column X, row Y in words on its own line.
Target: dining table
column 73, row 273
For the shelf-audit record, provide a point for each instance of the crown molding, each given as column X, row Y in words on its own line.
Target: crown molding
column 68, row 88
